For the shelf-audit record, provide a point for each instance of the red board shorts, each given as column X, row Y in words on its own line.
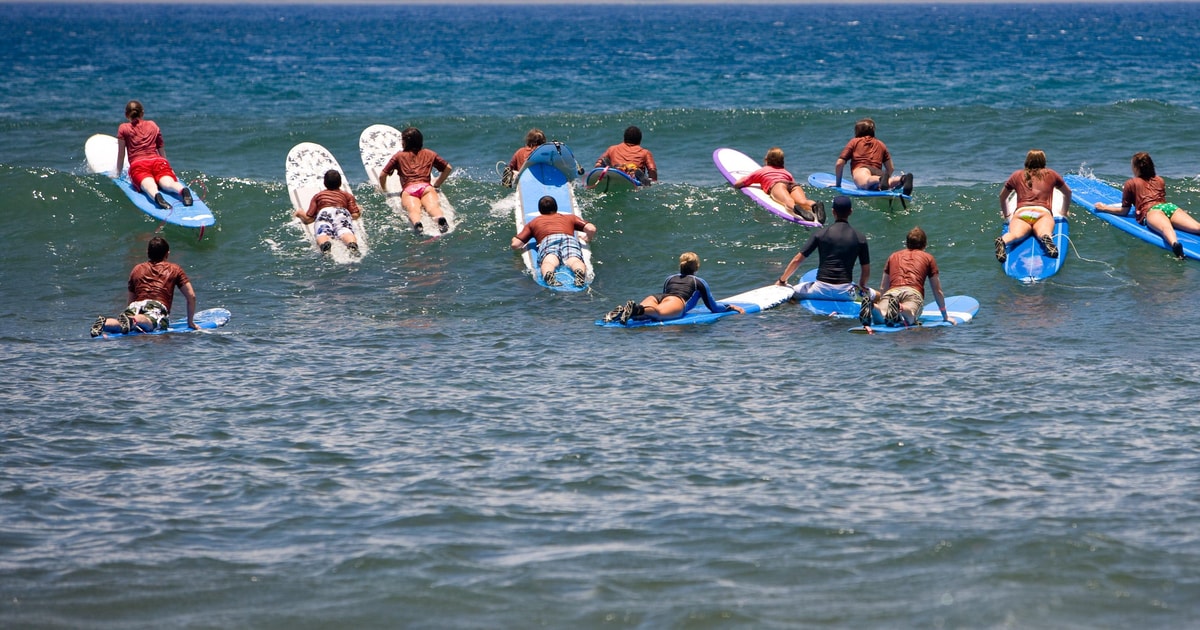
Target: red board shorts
column 154, row 168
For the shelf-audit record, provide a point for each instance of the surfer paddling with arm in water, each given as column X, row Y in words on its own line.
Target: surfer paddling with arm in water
column 629, row 156
column 1146, row 194
column 556, row 241
column 534, row 139
column 151, row 286
column 333, row 210
column 414, row 163
column 870, row 163
column 838, row 246
column 680, row 293
column 1034, row 185
column 904, row 276
column 779, row 183
column 149, row 169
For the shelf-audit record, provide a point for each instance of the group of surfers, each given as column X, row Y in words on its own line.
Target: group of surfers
column 899, row 300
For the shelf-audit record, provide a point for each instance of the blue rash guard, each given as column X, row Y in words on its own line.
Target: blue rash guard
column 691, row 289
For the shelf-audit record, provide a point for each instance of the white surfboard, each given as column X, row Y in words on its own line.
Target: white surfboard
column 306, row 166
column 376, row 145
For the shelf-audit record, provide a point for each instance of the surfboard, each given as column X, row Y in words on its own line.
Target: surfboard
column 1088, row 192
column 206, row 320
column 376, row 145
column 960, row 308
column 1027, row 260
column 101, row 153
column 540, row 177
column 836, row 302
column 306, row 165
column 559, row 156
column 827, row 180
column 609, row 179
column 754, row 301
column 734, row 165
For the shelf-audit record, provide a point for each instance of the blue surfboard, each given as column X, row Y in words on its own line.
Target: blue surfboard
column 101, row 152
column 609, row 179
column 837, row 302
column 555, row 154
column 827, row 180
column 206, row 320
column 1027, row 260
column 959, row 308
column 1088, row 192
column 540, row 177
column 754, row 301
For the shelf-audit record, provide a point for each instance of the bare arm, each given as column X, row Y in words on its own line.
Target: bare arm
column 936, row 283
column 865, row 277
column 120, row 157
column 791, row 268
column 190, row 295
column 837, row 172
column 441, row 178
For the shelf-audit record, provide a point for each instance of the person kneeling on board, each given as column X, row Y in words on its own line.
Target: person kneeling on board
column 334, row 211
column 680, row 293
column 838, row 246
column 556, row 241
column 151, row 287
column 904, row 276
column 777, row 182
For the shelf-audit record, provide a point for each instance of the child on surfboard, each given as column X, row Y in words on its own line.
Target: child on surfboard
column 680, row 293
column 782, row 187
column 870, row 163
column 414, row 163
column 1146, row 194
column 151, row 287
column 629, row 156
column 149, row 170
column 534, row 139
column 333, row 210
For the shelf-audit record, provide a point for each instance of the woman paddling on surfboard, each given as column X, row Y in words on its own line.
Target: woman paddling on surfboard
column 142, row 141
column 414, row 163
column 870, row 163
column 680, row 293
column 779, row 183
column 1145, row 192
column 1034, row 185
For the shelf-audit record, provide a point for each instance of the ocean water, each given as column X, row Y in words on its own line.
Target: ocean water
column 426, row 439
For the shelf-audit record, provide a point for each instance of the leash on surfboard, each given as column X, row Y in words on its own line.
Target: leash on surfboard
column 203, row 195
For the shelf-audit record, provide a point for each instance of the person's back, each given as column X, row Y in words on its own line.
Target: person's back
column 838, row 246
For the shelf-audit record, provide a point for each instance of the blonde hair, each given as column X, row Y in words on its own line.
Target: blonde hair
column 689, row 263
column 1035, row 162
column 774, row 157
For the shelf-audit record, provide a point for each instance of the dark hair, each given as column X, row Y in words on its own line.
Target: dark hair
column 535, row 138
column 915, row 239
column 333, row 179
column 1143, row 165
column 864, row 127
column 158, row 249
column 774, row 157
column 412, row 139
column 633, row 135
column 547, row 205
column 133, row 110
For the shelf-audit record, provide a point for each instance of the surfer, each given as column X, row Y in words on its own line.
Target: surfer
column 779, row 183
column 151, row 286
column 680, row 293
column 838, row 246
column 556, row 241
column 629, row 156
column 903, row 288
column 414, row 163
column 1146, row 193
column 870, row 162
column 149, row 169
column 534, row 139
column 1034, row 185
column 333, row 210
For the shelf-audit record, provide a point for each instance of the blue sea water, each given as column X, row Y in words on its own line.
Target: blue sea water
column 426, row 439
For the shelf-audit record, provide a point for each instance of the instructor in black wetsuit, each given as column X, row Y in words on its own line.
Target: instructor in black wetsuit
column 838, row 245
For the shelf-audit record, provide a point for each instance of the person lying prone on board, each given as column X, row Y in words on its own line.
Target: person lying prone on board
column 414, row 163
column 870, row 163
column 777, row 182
column 903, row 289
column 142, row 141
column 681, row 292
column 631, row 157
column 1146, row 194
column 333, row 210
column 556, row 241
column 1034, row 186
column 534, row 139
column 151, row 286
